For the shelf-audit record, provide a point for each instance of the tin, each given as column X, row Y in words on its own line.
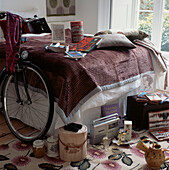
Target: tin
column 52, row 147
column 77, row 31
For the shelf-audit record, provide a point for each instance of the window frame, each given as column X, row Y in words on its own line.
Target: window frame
column 104, row 15
column 157, row 22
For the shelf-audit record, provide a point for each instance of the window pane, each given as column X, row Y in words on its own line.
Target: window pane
column 146, row 4
column 145, row 22
column 165, row 28
column 165, row 33
column 166, row 4
column 146, row 16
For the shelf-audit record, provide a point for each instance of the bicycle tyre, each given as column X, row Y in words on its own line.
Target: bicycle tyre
column 26, row 121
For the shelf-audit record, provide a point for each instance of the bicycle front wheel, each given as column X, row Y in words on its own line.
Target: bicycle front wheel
column 30, row 117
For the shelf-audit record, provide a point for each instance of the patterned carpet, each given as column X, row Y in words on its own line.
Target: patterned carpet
column 17, row 155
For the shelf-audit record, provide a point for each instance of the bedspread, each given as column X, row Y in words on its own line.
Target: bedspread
column 74, row 82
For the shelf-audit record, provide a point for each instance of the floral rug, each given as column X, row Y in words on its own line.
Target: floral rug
column 16, row 155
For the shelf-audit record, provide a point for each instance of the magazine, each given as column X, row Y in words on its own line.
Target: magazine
column 74, row 54
column 87, row 44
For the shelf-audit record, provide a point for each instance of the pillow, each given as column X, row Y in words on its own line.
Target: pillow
column 134, row 34
column 103, row 32
column 131, row 34
column 115, row 40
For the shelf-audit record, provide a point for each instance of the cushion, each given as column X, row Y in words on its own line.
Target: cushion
column 131, row 34
column 115, row 40
column 103, row 32
column 134, row 34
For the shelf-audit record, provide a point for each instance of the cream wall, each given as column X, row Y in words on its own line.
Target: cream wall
column 24, row 7
column 86, row 10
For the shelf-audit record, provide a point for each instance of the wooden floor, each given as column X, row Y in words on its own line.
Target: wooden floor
column 5, row 134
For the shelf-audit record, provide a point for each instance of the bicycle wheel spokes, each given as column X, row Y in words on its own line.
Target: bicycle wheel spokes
column 29, row 120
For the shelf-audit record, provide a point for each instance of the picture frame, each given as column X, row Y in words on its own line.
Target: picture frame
column 60, row 7
column 58, row 33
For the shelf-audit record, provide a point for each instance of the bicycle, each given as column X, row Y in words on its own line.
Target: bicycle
column 27, row 99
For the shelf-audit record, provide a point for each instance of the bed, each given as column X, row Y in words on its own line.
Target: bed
column 104, row 76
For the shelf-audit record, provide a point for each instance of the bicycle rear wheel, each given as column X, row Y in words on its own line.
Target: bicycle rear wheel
column 27, row 120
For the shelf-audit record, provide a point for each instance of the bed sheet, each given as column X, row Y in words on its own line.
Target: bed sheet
column 91, row 109
column 100, row 70
column 102, row 89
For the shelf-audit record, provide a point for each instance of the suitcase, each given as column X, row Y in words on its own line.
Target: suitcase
column 137, row 112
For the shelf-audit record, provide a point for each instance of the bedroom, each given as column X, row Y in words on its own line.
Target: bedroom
column 93, row 14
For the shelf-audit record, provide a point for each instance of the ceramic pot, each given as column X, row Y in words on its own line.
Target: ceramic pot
column 154, row 155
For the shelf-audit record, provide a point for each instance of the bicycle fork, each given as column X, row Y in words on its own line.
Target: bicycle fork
column 19, row 100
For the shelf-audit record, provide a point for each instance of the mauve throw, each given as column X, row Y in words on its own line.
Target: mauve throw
column 73, row 80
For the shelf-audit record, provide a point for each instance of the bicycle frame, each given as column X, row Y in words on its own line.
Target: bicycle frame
column 19, row 89
column 20, row 62
column 2, row 77
column 4, row 72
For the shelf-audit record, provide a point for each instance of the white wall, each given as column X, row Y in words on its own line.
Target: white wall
column 86, row 10
column 24, row 7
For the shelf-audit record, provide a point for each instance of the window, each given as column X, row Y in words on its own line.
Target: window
column 154, row 19
column 165, row 28
column 146, row 16
column 151, row 16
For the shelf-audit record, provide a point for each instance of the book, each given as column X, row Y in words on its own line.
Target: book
column 110, row 110
column 87, row 44
column 74, row 54
column 164, row 95
column 141, row 97
column 153, row 97
column 158, row 96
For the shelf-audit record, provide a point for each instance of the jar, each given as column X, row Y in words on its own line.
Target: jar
column 52, row 147
column 39, row 148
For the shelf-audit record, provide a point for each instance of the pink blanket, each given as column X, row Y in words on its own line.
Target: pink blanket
column 75, row 81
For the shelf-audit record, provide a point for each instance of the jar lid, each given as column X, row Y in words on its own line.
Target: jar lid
column 38, row 143
column 51, row 139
